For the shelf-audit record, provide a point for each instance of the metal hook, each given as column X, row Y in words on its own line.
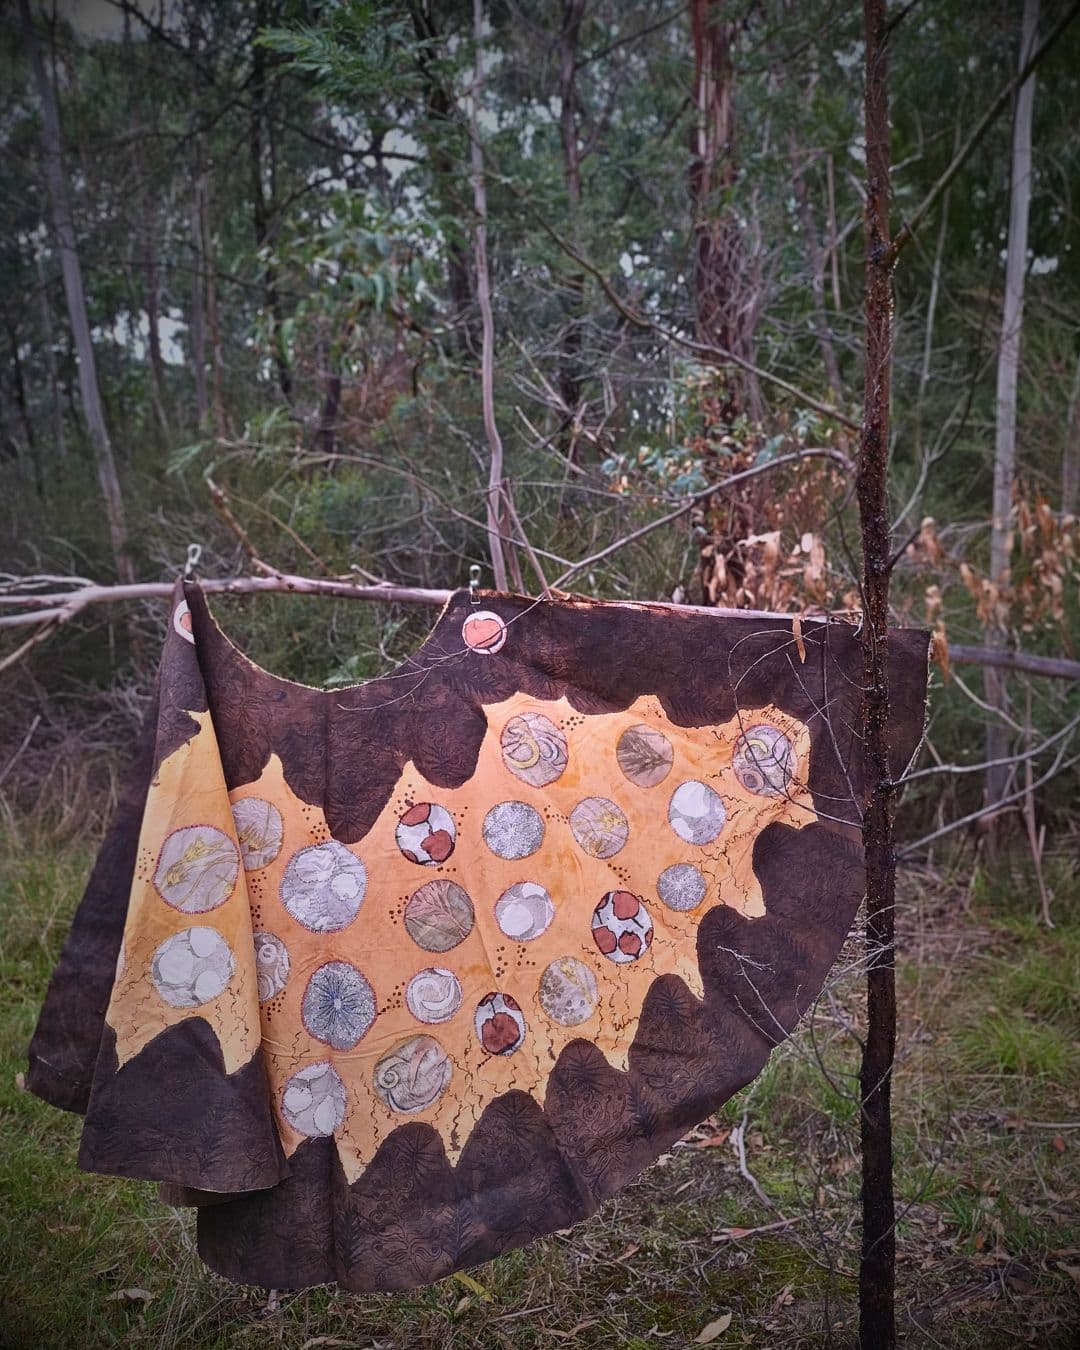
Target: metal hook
column 194, row 553
column 474, row 583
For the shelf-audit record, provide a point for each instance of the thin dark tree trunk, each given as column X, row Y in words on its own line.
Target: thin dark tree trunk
column 442, row 117
column 197, row 312
column 51, row 364
column 816, row 262
column 1070, row 461
column 261, row 150
column 497, row 518
column 64, row 231
column 724, row 310
column 1008, row 374
column 326, row 435
column 213, row 315
column 570, row 372
column 152, row 305
column 877, row 1269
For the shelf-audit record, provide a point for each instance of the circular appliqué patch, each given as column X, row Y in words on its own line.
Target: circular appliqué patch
column 413, row 1075
column 439, row 915
column 259, row 831
column 426, row 834
column 313, row 1100
column 500, row 1024
column 197, row 869
column 181, row 622
column 534, row 749
column 621, row 927
column 192, row 967
column 434, row 995
column 339, row 1005
column 568, row 991
column 484, row 632
column 323, row 886
column 599, row 826
column 524, row 911
column 271, row 964
column 764, row 761
column 681, row 887
column 645, row 755
column 513, row 830
column 696, row 812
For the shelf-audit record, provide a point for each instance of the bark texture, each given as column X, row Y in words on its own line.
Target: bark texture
column 877, row 1270
column 1008, row 374
column 63, row 223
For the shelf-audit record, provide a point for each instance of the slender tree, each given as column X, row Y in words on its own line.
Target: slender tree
column 877, row 1270
column 1008, row 374
column 724, row 306
column 63, row 223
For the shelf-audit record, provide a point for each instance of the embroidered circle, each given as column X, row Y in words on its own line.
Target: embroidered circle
column 500, row 1024
column 413, row 1075
column 192, row 967
column 696, row 812
column 339, row 1005
column 484, row 632
column 434, row 995
column 599, row 827
column 313, row 1101
column 534, row 749
column 181, row 622
column 426, row 834
column 513, row 830
column 439, row 915
column 259, row 831
column 681, row 887
column 197, row 869
column 645, row 755
column 568, row 991
column 271, row 964
column 621, row 927
column 323, row 886
column 764, row 761
column 524, row 911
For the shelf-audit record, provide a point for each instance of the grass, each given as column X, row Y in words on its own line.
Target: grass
column 986, row 1176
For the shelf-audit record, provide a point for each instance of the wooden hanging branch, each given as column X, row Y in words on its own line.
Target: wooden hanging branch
column 35, row 606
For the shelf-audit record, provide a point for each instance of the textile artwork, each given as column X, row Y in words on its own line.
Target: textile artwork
column 389, row 979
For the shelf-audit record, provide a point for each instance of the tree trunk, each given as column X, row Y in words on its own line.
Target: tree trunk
column 64, row 231
column 1070, row 459
column 50, row 361
column 152, row 305
column 496, row 512
column 197, row 313
column 724, row 308
column 442, row 115
column 816, row 261
column 261, row 208
column 570, row 372
column 213, row 317
column 877, row 1268
column 1008, row 371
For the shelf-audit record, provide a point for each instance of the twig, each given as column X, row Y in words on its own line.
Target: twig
column 738, row 1141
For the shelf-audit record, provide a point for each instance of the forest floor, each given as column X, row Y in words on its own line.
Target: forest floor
column 987, row 1108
